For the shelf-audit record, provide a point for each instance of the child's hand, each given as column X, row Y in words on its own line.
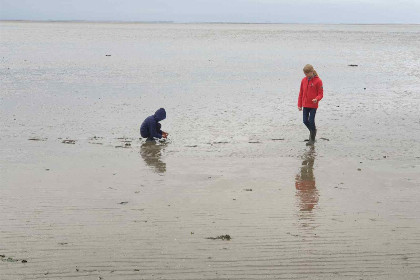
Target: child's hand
column 164, row 134
column 315, row 100
column 300, row 108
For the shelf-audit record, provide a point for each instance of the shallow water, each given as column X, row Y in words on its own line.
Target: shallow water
column 114, row 207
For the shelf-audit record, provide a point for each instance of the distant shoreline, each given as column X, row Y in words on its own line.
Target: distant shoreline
column 174, row 22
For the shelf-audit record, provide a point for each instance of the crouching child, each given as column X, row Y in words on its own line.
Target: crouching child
column 151, row 128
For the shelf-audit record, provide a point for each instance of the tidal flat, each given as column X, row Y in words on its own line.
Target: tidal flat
column 234, row 193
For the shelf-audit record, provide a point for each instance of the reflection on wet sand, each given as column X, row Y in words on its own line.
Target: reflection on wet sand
column 305, row 182
column 151, row 153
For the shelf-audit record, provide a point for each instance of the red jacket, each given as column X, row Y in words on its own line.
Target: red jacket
column 310, row 89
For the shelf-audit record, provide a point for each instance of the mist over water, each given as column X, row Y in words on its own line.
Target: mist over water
column 235, row 163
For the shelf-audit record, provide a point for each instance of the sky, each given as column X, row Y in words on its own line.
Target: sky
column 252, row 11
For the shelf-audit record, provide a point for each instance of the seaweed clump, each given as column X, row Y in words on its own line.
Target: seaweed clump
column 222, row 237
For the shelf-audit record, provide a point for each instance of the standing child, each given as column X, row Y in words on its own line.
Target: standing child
column 311, row 92
column 150, row 128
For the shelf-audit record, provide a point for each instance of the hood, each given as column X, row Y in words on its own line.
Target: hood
column 160, row 115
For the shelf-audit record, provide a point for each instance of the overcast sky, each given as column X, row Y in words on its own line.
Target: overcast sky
column 276, row 11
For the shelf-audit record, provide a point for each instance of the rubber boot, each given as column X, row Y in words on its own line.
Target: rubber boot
column 313, row 135
column 311, row 139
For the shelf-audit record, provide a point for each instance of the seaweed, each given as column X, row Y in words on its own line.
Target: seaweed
column 221, row 237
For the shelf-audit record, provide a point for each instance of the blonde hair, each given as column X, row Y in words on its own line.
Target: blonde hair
column 309, row 68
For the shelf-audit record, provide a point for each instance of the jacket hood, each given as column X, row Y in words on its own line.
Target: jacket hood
column 160, row 115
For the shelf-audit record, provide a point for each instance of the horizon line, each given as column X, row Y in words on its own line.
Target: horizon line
column 196, row 22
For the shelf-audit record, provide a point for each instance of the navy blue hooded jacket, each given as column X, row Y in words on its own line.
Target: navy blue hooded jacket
column 150, row 128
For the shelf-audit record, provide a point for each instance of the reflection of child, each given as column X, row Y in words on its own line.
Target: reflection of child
column 305, row 182
column 150, row 128
column 151, row 152
column 311, row 92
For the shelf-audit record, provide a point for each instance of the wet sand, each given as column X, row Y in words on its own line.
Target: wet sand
column 82, row 197
column 141, row 213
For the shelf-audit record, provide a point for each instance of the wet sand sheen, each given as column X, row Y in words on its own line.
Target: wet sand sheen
column 81, row 197
column 291, row 225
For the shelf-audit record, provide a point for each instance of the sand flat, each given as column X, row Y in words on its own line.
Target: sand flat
column 82, row 204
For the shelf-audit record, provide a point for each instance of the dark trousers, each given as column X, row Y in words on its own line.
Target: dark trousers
column 148, row 135
column 309, row 117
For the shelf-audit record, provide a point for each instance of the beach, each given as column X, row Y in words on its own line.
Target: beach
column 82, row 197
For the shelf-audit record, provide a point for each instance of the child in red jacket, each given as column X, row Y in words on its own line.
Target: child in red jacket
column 311, row 92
